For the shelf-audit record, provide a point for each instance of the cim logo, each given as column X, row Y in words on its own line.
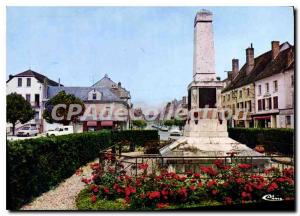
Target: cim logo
column 271, row 197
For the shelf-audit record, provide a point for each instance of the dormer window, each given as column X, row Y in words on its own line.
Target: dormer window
column 94, row 96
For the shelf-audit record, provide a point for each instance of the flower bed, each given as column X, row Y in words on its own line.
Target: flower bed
column 162, row 190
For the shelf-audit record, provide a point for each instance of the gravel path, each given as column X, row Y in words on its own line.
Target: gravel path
column 61, row 197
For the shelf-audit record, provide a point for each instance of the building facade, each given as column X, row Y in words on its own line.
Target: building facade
column 107, row 104
column 261, row 93
column 274, row 95
column 31, row 86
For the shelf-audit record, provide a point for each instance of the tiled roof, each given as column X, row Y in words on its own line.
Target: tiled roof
column 264, row 66
column 279, row 64
column 38, row 76
column 82, row 93
column 108, row 83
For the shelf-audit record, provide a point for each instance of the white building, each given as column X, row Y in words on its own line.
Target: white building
column 274, row 90
column 30, row 85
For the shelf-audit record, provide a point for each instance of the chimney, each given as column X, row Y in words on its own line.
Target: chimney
column 119, row 84
column 275, row 49
column 249, row 59
column 289, row 57
column 10, row 76
column 229, row 76
column 45, row 86
column 184, row 100
column 235, row 68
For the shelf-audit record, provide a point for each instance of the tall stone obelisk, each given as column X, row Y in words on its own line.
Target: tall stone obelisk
column 205, row 131
column 204, row 91
column 204, row 52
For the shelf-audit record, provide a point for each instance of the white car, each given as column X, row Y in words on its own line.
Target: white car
column 28, row 131
column 62, row 130
column 175, row 132
column 164, row 128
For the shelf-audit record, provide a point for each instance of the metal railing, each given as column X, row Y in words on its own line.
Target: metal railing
column 182, row 164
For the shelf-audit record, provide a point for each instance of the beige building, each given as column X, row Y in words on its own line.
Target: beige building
column 238, row 95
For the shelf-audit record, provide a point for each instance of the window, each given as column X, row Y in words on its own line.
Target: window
column 263, row 104
column 292, row 80
column 223, row 98
column 241, row 105
column 28, row 82
column 259, row 105
column 275, row 102
column 259, row 90
column 267, row 87
column 248, row 92
column 28, row 97
column 94, row 96
column 249, row 107
column 240, row 93
column 37, row 100
column 36, row 115
column 288, row 120
column 228, row 97
column 66, row 129
column 19, row 82
column 237, row 105
column 270, row 103
column 275, row 86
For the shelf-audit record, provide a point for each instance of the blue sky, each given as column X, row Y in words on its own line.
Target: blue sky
column 148, row 49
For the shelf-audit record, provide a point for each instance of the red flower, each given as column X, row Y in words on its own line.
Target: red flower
column 225, row 184
column 209, row 170
column 248, row 187
column 214, row 192
column 280, row 180
column 93, row 198
column 96, row 190
column 189, row 173
column 228, row 201
column 273, row 186
column 162, row 205
column 196, row 175
column 143, row 196
column 182, row 192
column 244, row 166
column 154, row 195
column 143, row 166
column 240, row 180
column 164, row 192
column 106, row 190
column 192, row 188
column 218, row 163
column 211, row 183
column 200, row 184
column 193, row 180
column 246, row 195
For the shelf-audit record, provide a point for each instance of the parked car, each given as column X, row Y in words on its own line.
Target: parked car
column 28, row 131
column 175, row 132
column 164, row 128
column 62, row 130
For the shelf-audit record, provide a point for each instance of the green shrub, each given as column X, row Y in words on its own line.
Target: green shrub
column 274, row 139
column 36, row 165
column 138, row 137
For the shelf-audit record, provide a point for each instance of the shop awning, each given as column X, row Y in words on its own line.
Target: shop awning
column 262, row 117
column 91, row 123
column 107, row 123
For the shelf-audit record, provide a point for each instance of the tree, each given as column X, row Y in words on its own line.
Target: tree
column 139, row 123
column 18, row 109
column 169, row 122
column 66, row 107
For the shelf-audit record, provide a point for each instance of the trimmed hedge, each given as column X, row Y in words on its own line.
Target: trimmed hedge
column 277, row 140
column 36, row 165
column 138, row 137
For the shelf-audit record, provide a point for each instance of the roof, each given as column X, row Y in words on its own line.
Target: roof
column 38, row 76
column 82, row 93
column 263, row 67
column 280, row 64
column 108, row 83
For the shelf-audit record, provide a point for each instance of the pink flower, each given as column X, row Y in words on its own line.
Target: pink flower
column 143, row 166
column 228, row 201
column 244, row 166
column 106, row 190
column 214, row 192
